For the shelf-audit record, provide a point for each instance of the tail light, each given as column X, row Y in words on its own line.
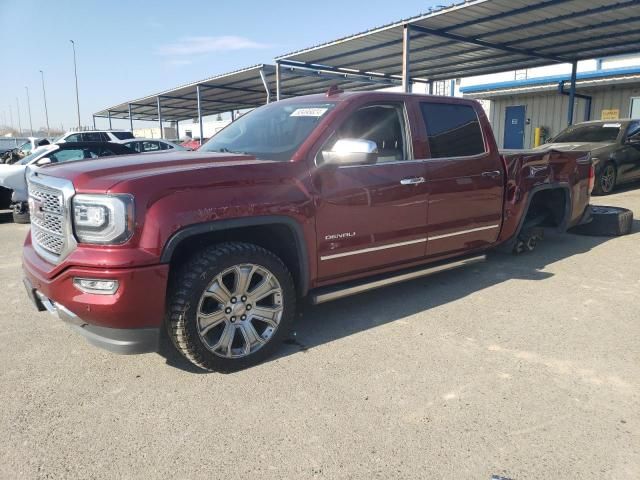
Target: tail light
column 592, row 178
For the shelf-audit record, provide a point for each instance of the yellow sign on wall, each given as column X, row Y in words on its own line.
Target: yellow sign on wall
column 610, row 114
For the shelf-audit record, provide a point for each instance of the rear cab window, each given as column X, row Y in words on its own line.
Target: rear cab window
column 453, row 130
column 122, row 135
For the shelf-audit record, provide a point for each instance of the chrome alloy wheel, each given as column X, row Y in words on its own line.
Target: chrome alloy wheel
column 240, row 310
column 608, row 179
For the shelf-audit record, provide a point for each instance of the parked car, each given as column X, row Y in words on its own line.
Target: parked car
column 192, row 144
column 95, row 136
column 147, row 145
column 13, row 177
column 321, row 196
column 614, row 147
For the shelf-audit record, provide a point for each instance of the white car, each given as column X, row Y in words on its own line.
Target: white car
column 95, row 136
column 13, row 177
column 147, row 145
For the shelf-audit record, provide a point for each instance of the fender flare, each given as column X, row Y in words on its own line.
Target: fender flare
column 221, row 225
column 532, row 193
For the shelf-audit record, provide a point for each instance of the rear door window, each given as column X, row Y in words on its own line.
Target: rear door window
column 92, row 137
column 150, row 146
column 453, row 130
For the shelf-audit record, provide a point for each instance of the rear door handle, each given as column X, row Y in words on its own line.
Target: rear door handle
column 493, row 173
column 412, row 181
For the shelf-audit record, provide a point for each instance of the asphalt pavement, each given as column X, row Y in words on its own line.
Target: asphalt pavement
column 524, row 367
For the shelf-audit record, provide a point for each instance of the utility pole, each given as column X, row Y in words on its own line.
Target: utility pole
column 11, row 116
column 46, row 112
column 75, row 72
column 19, row 122
column 29, row 110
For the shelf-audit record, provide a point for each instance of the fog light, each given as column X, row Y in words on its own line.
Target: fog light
column 96, row 285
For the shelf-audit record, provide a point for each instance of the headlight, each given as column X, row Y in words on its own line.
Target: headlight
column 103, row 219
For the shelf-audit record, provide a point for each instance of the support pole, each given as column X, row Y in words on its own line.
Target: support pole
column 233, row 115
column 266, row 85
column 430, row 87
column 160, row 117
column 278, row 81
column 199, row 113
column 94, row 122
column 406, row 61
column 572, row 92
column 178, row 130
column 130, row 118
column 109, row 115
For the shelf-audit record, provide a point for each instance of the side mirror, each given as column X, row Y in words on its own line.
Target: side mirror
column 43, row 161
column 351, row 151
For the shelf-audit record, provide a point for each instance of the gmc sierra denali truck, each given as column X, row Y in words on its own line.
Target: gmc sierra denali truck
column 316, row 197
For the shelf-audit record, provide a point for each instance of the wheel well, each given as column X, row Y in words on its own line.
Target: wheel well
column 547, row 208
column 276, row 238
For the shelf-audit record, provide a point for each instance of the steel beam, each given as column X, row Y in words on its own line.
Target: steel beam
column 278, row 82
column 109, row 117
column 130, row 119
column 572, row 92
column 178, row 129
column 263, row 77
column 309, row 70
column 406, row 59
column 199, row 113
column 481, row 43
column 160, row 116
column 94, row 122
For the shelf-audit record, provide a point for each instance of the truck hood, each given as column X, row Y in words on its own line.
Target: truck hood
column 100, row 175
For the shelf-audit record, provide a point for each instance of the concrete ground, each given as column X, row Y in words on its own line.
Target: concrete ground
column 523, row 367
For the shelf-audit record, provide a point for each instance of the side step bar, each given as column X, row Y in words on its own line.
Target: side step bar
column 353, row 288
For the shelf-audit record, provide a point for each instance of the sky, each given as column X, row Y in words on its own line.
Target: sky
column 130, row 49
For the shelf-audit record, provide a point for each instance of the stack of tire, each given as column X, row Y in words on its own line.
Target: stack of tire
column 607, row 222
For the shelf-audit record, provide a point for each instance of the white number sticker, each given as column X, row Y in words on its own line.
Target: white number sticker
column 308, row 112
column 611, row 125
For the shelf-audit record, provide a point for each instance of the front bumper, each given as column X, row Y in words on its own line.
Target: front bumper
column 128, row 321
column 118, row 340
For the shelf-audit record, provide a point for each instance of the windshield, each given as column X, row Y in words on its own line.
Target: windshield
column 35, row 154
column 598, row 132
column 271, row 132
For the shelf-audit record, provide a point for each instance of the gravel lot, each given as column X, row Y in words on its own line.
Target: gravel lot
column 524, row 367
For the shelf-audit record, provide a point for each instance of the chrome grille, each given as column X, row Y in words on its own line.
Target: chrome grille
column 48, row 204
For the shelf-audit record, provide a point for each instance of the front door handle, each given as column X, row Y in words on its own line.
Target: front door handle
column 412, row 181
column 493, row 173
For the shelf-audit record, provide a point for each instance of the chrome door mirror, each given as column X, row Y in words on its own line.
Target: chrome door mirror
column 43, row 161
column 351, row 151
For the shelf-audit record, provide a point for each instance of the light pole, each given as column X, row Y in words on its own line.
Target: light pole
column 29, row 110
column 19, row 122
column 75, row 72
column 11, row 116
column 46, row 112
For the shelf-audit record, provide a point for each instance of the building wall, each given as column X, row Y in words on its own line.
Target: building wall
column 550, row 109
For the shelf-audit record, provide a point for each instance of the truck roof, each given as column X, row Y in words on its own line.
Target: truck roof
column 373, row 94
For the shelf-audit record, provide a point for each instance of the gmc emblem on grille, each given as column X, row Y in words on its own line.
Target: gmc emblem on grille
column 35, row 208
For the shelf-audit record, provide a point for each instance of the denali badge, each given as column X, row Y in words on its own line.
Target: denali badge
column 336, row 236
column 35, row 208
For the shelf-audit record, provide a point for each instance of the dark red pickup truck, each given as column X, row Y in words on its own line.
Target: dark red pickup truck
column 321, row 196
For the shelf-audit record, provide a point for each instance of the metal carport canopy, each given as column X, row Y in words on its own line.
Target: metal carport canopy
column 242, row 89
column 484, row 36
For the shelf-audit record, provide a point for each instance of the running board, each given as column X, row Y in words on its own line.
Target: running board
column 353, row 288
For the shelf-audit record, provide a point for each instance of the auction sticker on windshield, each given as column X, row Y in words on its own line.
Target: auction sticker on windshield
column 308, row 112
column 611, row 125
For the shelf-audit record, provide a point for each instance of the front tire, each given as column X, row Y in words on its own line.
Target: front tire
column 230, row 306
column 606, row 180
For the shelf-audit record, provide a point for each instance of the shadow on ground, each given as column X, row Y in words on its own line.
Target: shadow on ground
column 6, row 216
column 320, row 324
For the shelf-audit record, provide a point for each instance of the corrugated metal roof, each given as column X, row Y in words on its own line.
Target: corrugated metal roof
column 594, row 78
column 472, row 38
column 488, row 36
column 237, row 90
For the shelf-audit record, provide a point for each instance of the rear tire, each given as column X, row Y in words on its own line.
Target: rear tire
column 230, row 306
column 606, row 180
column 607, row 222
